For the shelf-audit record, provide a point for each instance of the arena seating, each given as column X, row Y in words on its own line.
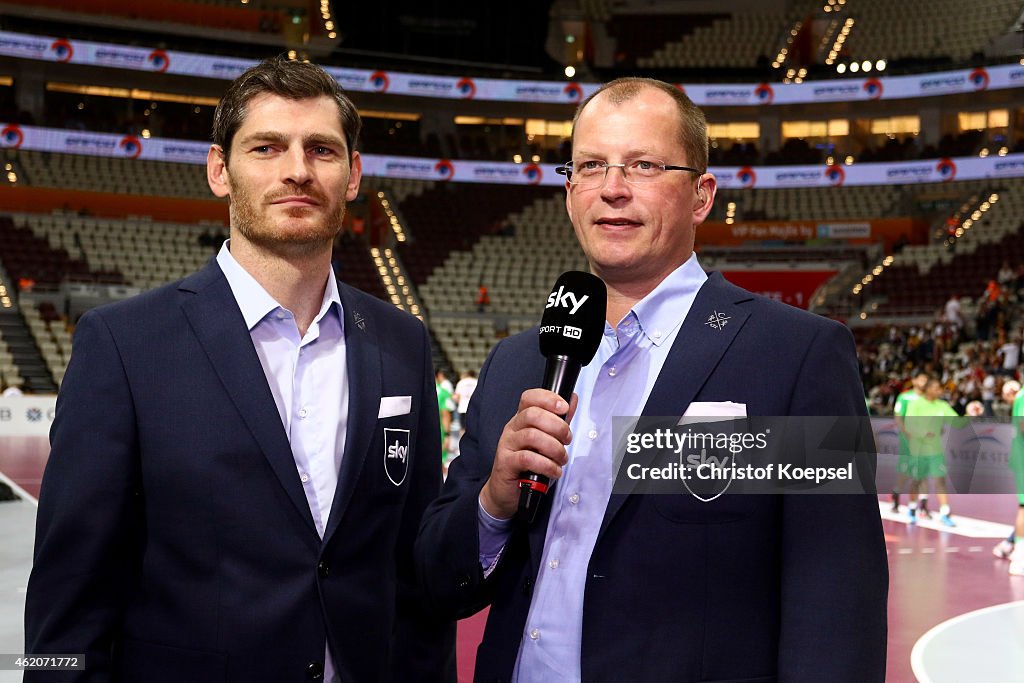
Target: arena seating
column 27, row 257
column 50, row 332
column 842, row 202
column 9, row 374
column 750, row 37
column 109, row 174
column 450, row 217
column 923, row 277
column 926, row 28
column 219, row 15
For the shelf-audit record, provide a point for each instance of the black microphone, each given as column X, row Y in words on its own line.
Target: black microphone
column 570, row 333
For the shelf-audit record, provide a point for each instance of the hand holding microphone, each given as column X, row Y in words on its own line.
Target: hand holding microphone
column 531, row 449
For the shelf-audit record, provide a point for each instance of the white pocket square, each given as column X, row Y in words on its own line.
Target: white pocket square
column 722, row 410
column 394, row 405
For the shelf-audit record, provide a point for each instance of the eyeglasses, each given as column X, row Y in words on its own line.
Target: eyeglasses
column 637, row 171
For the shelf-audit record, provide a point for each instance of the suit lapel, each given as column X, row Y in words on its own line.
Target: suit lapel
column 706, row 334
column 220, row 328
column 363, row 366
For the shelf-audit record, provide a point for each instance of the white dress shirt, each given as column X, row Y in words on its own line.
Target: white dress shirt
column 309, row 381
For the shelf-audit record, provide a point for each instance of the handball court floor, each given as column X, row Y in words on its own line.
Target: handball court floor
column 955, row 615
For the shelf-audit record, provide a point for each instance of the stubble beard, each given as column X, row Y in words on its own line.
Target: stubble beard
column 252, row 220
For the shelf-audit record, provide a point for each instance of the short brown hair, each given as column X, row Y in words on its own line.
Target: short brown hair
column 693, row 127
column 286, row 78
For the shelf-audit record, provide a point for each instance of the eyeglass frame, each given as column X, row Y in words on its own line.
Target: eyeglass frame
column 566, row 170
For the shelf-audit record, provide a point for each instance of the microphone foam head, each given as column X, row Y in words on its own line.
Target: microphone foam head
column 573, row 320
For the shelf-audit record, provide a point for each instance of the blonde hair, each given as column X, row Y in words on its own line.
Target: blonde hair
column 693, row 126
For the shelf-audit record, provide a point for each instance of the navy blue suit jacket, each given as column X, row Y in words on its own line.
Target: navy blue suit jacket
column 744, row 588
column 174, row 541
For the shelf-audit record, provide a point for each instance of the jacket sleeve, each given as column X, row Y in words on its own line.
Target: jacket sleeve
column 89, row 528
column 424, row 645
column 448, row 546
column 835, row 575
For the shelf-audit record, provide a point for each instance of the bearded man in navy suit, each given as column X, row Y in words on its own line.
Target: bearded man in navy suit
column 606, row 586
column 240, row 460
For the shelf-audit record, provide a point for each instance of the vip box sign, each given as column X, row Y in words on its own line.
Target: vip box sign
column 26, row 415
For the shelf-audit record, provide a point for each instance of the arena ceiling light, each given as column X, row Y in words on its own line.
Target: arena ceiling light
column 391, row 115
column 130, row 93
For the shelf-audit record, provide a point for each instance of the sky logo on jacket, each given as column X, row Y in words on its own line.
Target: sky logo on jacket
column 396, row 454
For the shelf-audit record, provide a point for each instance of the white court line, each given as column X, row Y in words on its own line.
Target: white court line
column 917, row 654
column 965, row 526
column 22, row 493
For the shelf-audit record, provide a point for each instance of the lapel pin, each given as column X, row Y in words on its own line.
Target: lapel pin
column 717, row 320
column 359, row 320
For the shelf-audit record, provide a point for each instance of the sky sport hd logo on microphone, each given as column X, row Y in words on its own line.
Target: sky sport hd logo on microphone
column 568, row 302
column 571, row 329
column 563, row 299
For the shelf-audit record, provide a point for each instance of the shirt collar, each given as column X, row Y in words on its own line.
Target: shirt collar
column 659, row 313
column 254, row 301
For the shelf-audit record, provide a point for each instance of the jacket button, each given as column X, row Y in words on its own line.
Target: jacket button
column 315, row 671
column 463, row 580
column 323, row 570
column 527, row 586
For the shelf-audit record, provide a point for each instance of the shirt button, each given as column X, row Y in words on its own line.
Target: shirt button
column 554, row 564
column 592, row 434
column 282, row 315
column 574, row 498
column 303, row 477
column 611, row 372
column 656, row 334
column 534, row 634
column 303, row 413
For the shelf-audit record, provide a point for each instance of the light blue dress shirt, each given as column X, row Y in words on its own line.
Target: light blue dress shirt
column 616, row 383
column 309, row 380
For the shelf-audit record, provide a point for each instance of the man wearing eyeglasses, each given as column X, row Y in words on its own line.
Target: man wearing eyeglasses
column 611, row 587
